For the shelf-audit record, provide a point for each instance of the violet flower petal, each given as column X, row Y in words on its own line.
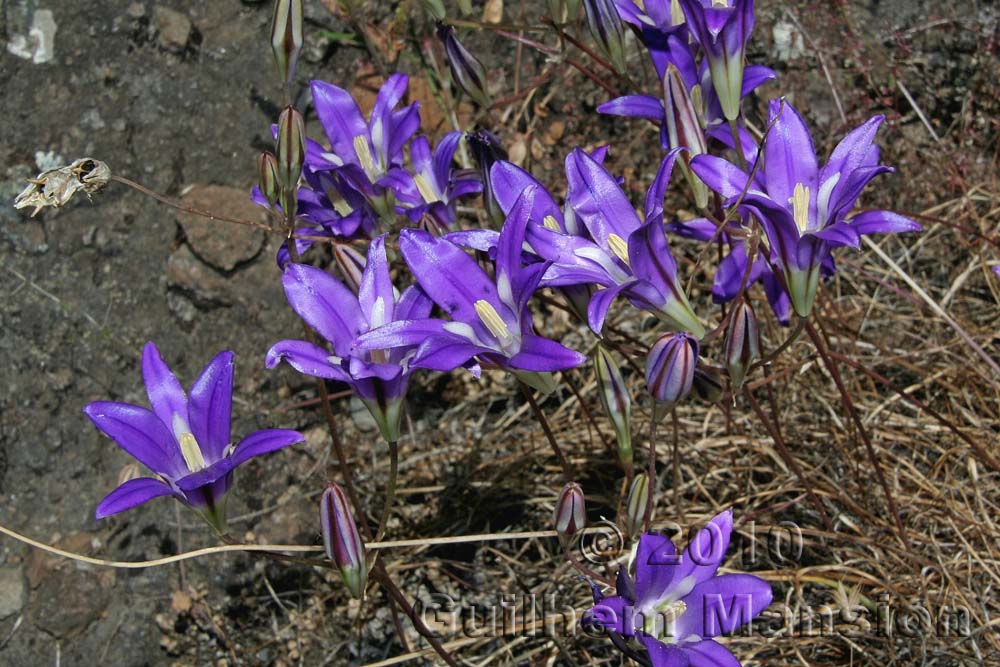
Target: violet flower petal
column 541, row 354
column 305, row 358
column 166, row 396
column 140, row 433
column 210, row 407
column 131, row 494
column 325, row 304
column 721, row 604
column 788, row 153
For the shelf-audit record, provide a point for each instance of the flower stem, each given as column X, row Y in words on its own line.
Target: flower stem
column 390, row 489
column 787, row 457
column 734, row 129
column 853, row 414
column 540, row 416
column 647, row 517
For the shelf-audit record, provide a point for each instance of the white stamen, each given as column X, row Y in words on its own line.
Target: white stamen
column 377, row 317
column 618, row 246
column 800, row 207
column 364, row 153
column 426, row 191
column 191, row 452
column 491, row 318
column 823, row 198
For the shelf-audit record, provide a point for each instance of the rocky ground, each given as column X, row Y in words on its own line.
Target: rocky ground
column 179, row 95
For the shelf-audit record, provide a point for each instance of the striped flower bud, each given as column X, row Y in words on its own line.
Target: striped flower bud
column 286, row 36
column 487, row 150
column 608, row 30
column 570, row 515
column 635, row 509
column 341, row 539
column 267, row 177
column 291, row 154
column 616, row 401
column 684, row 127
column 670, row 367
column 466, row 70
column 742, row 342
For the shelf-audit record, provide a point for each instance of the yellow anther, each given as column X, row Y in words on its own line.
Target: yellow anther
column 551, row 223
column 340, row 204
column 364, row 153
column 720, row 4
column 192, row 453
column 676, row 13
column 619, row 247
column 426, row 191
column 800, row 206
column 491, row 318
column 661, row 621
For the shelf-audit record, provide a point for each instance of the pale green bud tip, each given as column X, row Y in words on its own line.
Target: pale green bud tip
column 267, row 177
column 570, row 514
column 341, row 539
column 742, row 342
column 635, row 509
column 286, row 36
column 616, row 400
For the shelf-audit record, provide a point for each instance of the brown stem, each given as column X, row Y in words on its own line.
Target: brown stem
column 853, row 414
column 977, row 449
column 540, row 416
column 787, row 457
column 386, row 581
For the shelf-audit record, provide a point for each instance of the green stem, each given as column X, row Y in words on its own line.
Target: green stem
column 390, row 489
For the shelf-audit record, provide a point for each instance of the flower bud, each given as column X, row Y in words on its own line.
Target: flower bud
column 670, row 367
column 608, row 30
column 487, row 150
column 286, row 36
column 291, row 155
column 352, row 264
column 341, row 539
column 267, row 177
column 616, row 401
column 466, row 70
column 570, row 516
column 742, row 342
column 707, row 384
column 635, row 509
column 684, row 128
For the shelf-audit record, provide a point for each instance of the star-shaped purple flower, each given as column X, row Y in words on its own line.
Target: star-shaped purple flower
column 184, row 439
column 676, row 604
column 489, row 315
column 806, row 210
column 380, row 378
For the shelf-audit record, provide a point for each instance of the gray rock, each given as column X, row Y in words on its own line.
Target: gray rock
column 173, row 28
column 12, row 591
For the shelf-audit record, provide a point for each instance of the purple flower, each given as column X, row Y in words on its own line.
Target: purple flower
column 184, row 439
column 379, row 378
column 805, row 210
column 676, row 603
column 722, row 29
column 437, row 185
column 623, row 254
column 489, row 315
column 368, row 154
